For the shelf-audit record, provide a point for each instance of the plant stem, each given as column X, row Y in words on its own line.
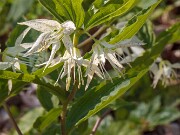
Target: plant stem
column 90, row 38
column 12, row 118
column 75, row 39
column 64, row 111
column 98, row 122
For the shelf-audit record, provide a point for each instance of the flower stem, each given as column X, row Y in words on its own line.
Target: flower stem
column 64, row 111
column 12, row 118
column 99, row 31
column 75, row 39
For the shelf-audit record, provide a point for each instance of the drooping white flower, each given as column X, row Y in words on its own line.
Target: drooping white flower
column 103, row 51
column 52, row 33
column 72, row 67
column 164, row 71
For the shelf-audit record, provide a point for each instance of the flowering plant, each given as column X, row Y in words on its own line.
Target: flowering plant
column 68, row 60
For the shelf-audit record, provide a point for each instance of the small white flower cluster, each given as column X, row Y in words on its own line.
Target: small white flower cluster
column 164, row 71
column 53, row 33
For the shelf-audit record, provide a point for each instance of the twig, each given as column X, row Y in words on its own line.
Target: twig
column 12, row 118
column 98, row 122
column 90, row 38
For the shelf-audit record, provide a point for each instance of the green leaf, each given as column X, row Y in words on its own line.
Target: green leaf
column 65, row 10
column 98, row 3
column 56, row 90
column 40, row 72
column 110, row 11
column 3, row 90
column 42, row 122
column 6, row 93
column 99, row 97
column 87, row 4
column 57, row 9
column 147, row 35
column 79, row 12
column 53, row 129
column 44, row 97
column 133, row 25
column 146, row 3
column 25, row 122
column 17, row 86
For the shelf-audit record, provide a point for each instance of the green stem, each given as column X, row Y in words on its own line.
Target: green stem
column 12, row 118
column 75, row 39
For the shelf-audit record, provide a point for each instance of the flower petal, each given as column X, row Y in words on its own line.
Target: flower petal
column 69, row 27
column 111, row 58
column 42, row 25
column 37, row 45
column 55, row 48
column 90, row 76
column 21, row 37
column 68, row 44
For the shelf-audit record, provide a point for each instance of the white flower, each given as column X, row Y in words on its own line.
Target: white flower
column 163, row 70
column 72, row 63
column 103, row 51
column 52, row 33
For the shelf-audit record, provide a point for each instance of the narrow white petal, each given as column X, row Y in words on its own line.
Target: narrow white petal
column 42, row 25
column 65, row 67
column 137, row 50
column 90, row 76
column 51, row 23
column 97, row 71
column 27, row 45
column 68, row 44
column 21, row 37
column 101, row 55
column 55, row 48
column 113, row 59
column 154, row 68
column 37, row 45
column 157, row 78
column 68, row 80
column 17, row 65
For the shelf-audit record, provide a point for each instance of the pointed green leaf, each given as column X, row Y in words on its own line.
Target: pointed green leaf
column 3, row 90
column 56, row 90
column 25, row 122
column 65, row 10
column 44, row 121
column 110, row 11
column 133, row 25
